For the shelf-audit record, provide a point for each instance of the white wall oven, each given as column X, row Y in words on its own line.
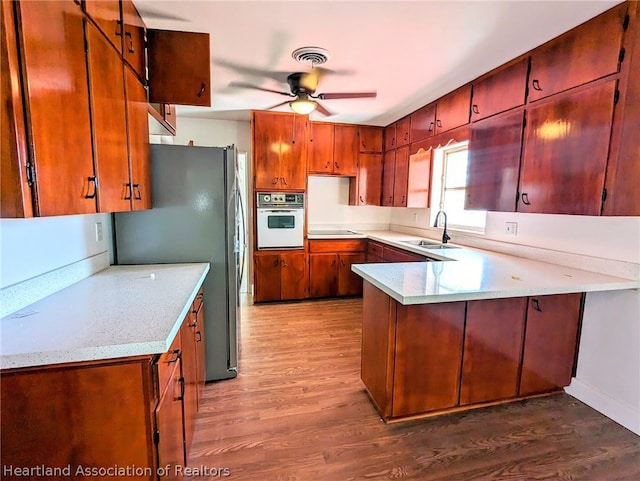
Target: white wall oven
column 280, row 220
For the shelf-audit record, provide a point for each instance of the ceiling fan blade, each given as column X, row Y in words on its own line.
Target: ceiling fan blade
column 347, row 95
column 278, row 105
column 255, row 87
column 323, row 110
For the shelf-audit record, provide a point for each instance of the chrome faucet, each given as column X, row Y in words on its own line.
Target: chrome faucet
column 445, row 236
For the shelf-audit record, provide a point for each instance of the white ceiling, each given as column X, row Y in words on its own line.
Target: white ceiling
column 410, row 52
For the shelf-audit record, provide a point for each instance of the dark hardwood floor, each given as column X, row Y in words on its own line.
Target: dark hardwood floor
column 298, row 411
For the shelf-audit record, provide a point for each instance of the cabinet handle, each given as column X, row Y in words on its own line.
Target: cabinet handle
column 402, row 201
column 525, row 199
column 536, row 305
column 328, row 165
column 342, row 262
column 203, row 87
column 284, row 181
column 275, row 180
column 438, row 123
column 536, row 85
column 199, row 334
column 176, row 356
column 406, row 136
column 284, row 263
column 92, row 180
column 333, row 263
column 474, row 108
column 181, row 397
column 130, row 192
column 136, row 189
column 336, row 165
column 431, row 126
column 393, row 142
column 276, row 263
column 361, row 200
column 390, row 198
column 130, row 37
column 119, row 28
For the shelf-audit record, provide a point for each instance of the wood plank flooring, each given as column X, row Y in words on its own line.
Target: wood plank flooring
column 298, row 412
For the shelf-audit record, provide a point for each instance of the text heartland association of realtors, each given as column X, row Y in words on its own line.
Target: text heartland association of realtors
column 112, row 471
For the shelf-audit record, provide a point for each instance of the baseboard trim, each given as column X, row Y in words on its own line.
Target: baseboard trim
column 620, row 412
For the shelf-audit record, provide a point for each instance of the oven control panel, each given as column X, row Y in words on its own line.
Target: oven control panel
column 280, row 199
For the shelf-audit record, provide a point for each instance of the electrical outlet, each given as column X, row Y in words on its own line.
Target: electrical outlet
column 415, row 218
column 511, row 228
column 99, row 232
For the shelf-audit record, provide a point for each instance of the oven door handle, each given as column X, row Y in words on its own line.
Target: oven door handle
column 280, row 210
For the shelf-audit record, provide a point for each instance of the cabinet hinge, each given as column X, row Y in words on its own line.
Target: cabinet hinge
column 524, row 121
column 625, row 22
column 616, row 96
column 604, row 194
column 31, row 173
column 156, row 437
column 621, row 55
column 86, row 45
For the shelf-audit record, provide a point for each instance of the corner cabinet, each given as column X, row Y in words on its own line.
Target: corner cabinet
column 141, row 407
column 279, row 151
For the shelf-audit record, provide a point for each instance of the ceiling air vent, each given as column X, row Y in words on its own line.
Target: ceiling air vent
column 311, row 55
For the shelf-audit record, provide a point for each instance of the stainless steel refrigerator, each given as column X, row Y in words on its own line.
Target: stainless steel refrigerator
column 195, row 218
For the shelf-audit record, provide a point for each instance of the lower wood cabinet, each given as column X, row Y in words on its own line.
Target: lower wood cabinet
column 330, row 263
column 280, row 276
column 135, row 411
column 431, row 358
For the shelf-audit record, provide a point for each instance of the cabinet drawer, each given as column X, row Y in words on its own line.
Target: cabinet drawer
column 337, row 245
column 392, row 254
column 374, row 249
column 168, row 362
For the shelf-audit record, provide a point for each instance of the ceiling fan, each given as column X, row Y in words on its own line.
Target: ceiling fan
column 303, row 87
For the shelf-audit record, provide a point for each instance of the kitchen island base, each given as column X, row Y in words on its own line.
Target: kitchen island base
column 426, row 359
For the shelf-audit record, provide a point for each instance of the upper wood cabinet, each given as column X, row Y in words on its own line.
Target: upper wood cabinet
column 320, row 150
column 54, row 73
column 107, row 16
column 452, row 110
column 494, row 163
column 423, row 122
column 370, row 138
column 346, row 149
column 179, row 67
column 279, row 151
column 133, row 48
column 501, row 91
column 401, row 177
column 366, row 188
column 390, row 142
column 588, row 52
column 575, row 128
column 403, row 131
column 388, row 177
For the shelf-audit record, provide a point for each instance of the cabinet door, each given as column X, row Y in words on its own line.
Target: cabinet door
column 494, row 163
column 323, row 275
column 419, row 179
column 588, row 52
column 349, row 283
column 169, row 426
column 423, row 122
column 106, row 14
column 293, row 153
column 294, row 281
column 138, row 141
column 133, row 41
column 428, row 357
column 320, row 151
column 15, row 191
column 388, row 177
column 565, row 153
column 109, row 123
column 268, row 132
column 492, row 349
column 57, row 87
column 403, row 131
column 346, row 150
column 550, row 342
column 501, row 91
column 189, row 376
column 369, row 179
column 176, row 78
column 390, row 137
column 370, row 138
column 401, row 180
column 453, row 109
column 266, row 277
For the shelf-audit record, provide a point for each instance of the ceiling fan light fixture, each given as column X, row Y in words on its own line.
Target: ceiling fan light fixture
column 303, row 106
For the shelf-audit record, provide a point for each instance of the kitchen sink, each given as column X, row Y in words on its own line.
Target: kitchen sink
column 427, row 244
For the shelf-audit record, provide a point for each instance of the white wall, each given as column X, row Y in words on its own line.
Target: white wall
column 328, row 206
column 210, row 133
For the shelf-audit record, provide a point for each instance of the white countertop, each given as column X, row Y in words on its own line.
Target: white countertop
column 469, row 274
column 335, row 234
column 119, row 312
